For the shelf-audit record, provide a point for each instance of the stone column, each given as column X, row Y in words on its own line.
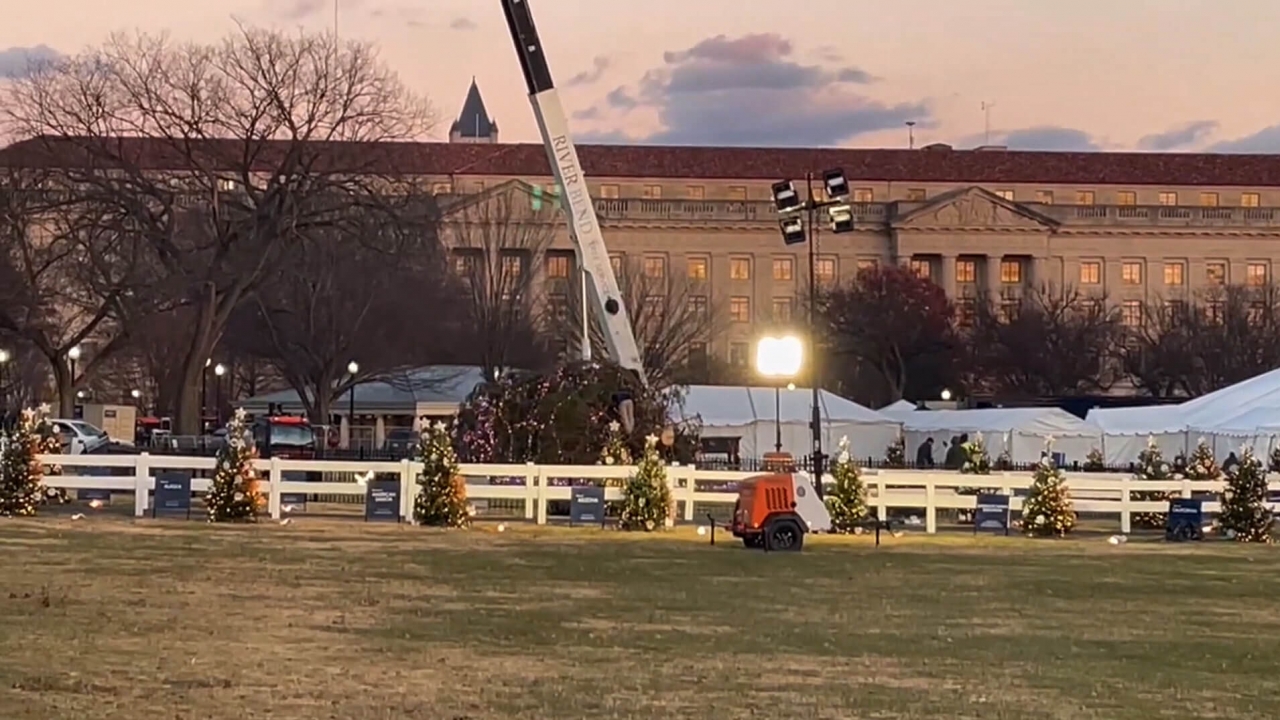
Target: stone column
column 947, row 275
column 993, row 278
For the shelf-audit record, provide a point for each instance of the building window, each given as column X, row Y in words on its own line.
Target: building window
column 782, row 309
column 655, row 267
column 512, row 266
column 1091, row 272
column 615, row 261
column 864, row 195
column 867, row 264
column 922, row 268
column 1213, row 312
column 737, row 192
column 825, row 269
column 784, row 269
column 559, row 306
column 738, row 354
column 697, row 355
column 558, row 266
column 1175, row 273
column 1131, row 313
column 1006, row 194
column 1255, row 274
column 1168, row 198
column 1174, row 311
column 695, row 192
column 441, row 188
column 917, row 195
column 966, row 271
column 651, row 192
column 1044, row 197
column 740, row 309
column 1010, row 271
column 1008, row 310
column 1215, row 273
column 1084, row 197
column 697, row 268
column 965, row 311
column 1126, row 197
column 1208, row 199
column 739, row 268
column 610, row 192
column 1250, row 200
column 465, row 263
column 1131, row 273
column 1257, row 312
column 697, row 305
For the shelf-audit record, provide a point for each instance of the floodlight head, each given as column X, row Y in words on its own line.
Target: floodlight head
column 836, row 185
column 841, row 218
column 792, row 230
column 785, row 196
column 4, row 356
column 779, row 357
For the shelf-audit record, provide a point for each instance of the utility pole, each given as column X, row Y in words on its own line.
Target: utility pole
column 986, row 121
column 911, row 134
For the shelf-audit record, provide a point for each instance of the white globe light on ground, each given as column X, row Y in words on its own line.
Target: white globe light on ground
column 702, row 530
column 946, row 395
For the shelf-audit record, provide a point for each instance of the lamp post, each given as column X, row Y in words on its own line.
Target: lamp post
column 353, row 367
column 218, row 371
column 794, row 214
column 72, row 356
column 5, row 357
column 779, row 358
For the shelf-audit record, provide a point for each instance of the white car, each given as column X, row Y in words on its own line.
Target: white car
column 79, row 437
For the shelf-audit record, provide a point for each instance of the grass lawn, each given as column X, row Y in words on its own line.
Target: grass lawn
column 108, row 618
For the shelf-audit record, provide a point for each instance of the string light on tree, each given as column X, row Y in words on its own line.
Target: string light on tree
column 442, row 491
column 1048, row 510
column 21, row 472
column 847, row 501
column 1246, row 515
column 1152, row 466
column 233, row 493
column 647, row 502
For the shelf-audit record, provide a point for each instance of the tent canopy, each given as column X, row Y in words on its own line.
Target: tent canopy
column 1032, row 421
column 1141, row 420
column 719, row 406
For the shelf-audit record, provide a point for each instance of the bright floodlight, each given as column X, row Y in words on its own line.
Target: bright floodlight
column 4, row 356
column 779, row 357
column 135, row 394
column 836, row 185
column 74, row 353
column 946, row 395
column 785, row 196
column 353, row 367
column 219, row 369
column 841, row 218
column 792, row 230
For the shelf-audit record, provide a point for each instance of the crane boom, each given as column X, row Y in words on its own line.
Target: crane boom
column 584, row 226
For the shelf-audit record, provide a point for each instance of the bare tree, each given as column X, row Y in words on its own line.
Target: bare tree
column 674, row 319
column 375, row 298
column 498, row 238
column 218, row 155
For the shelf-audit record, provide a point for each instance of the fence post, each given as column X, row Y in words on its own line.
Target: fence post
column 691, row 489
column 530, row 491
column 1186, row 488
column 274, row 477
column 408, row 488
column 882, row 502
column 930, row 505
column 540, row 495
column 1126, row 519
column 142, row 484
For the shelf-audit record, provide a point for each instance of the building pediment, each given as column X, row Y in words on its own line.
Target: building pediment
column 973, row 208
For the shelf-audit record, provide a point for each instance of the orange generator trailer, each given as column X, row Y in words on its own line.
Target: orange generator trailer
column 774, row 512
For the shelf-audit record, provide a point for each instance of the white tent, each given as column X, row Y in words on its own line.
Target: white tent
column 753, row 414
column 898, row 409
column 1126, row 431
column 1021, row 431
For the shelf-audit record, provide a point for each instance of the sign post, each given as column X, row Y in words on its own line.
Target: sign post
column 586, row 505
column 382, row 501
column 172, row 495
column 991, row 514
column 1185, row 520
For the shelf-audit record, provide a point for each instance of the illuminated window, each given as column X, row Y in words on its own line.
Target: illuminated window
column 1084, row 197
column 867, row 264
column 512, row 266
column 864, row 195
column 610, row 192
column 441, row 188
column 697, row 268
column 1255, row 273
column 1208, row 199
column 695, row 192
column 1257, row 312
column 740, row 309
column 782, row 309
column 655, row 267
column 697, row 305
column 1175, row 273
column 825, row 269
column 966, row 271
column 1131, row 273
column 737, row 192
column 651, row 192
column 558, row 266
column 1010, row 271
column 783, row 269
column 1131, row 313
column 1044, row 197
column 1250, row 200
column 1126, row 197
column 1006, row 194
column 1090, row 272
column 1168, row 198
column 739, row 268
column 917, row 194
column 615, row 261
column 1215, row 273
column 1213, row 312
column 922, row 268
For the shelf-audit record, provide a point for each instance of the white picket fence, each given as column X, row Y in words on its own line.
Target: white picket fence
column 931, row 491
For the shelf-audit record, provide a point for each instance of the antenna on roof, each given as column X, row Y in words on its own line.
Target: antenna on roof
column 986, row 121
column 911, row 134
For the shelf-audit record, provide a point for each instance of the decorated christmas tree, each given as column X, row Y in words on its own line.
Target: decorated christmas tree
column 1048, row 511
column 1151, row 466
column 976, row 459
column 847, row 499
column 646, row 498
column 615, row 451
column 1004, row 461
column 1246, row 515
column 895, row 455
column 233, row 494
column 1202, row 465
column 1095, row 461
column 21, row 473
column 442, row 491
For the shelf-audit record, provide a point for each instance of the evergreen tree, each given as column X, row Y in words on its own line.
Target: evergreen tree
column 21, row 473
column 1151, row 466
column 615, row 451
column 847, row 500
column 1246, row 515
column 647, row 502
column 1202, row 465
column 442, row 491
column 1095, row 461
column 233, row 494
column 1048, row 510
column 976, row 459
column 895, row 455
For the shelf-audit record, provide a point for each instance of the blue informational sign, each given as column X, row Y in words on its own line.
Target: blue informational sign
column 172, row 494
column 1185, row 520
column 296, row 502
column 382, row 501
column 586, row 505
column 991, row 514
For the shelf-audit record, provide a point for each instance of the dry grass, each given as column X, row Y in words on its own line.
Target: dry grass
column 108, row 618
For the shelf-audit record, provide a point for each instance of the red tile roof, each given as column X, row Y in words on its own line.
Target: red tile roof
column 617, row 161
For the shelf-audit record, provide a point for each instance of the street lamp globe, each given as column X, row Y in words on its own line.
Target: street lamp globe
column 219, row 369
column 135, row 393
column 946, row 395
column 74, row 353
column 353, row 367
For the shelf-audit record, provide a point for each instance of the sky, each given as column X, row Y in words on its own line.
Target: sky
column 1166, row 75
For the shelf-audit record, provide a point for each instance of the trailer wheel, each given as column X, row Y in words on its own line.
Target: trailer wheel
column 783, row 536
column 754, row 542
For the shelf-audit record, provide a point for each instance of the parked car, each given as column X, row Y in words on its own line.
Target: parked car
column 400, row 441
column 79, row 437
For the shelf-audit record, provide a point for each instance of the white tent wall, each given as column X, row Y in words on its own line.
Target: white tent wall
column 866, row 441
column 1023, row 431
column 1121, row 450
column 995, row 441
column 1125, row 431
